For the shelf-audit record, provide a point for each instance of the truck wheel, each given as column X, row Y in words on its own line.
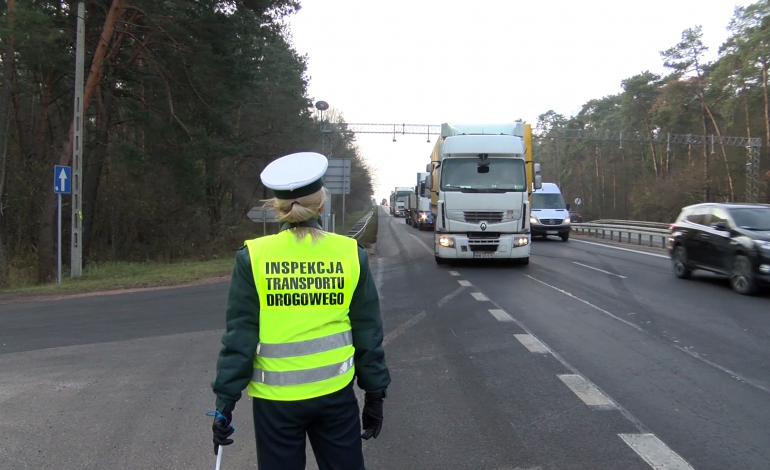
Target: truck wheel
column 440, row 260
column 524, row 261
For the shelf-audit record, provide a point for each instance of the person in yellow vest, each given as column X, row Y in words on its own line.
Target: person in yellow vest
column 302, row 323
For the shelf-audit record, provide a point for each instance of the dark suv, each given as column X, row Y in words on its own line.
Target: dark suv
column 729, row 239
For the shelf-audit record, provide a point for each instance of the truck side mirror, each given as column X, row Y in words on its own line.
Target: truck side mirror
column 429, row 167
column 538, row 182
column 429, row 182
column 568, row 206
column 536, row 167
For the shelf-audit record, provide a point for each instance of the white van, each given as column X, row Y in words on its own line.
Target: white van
column 550, row 215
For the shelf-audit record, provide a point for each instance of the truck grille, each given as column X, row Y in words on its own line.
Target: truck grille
column 492, row 217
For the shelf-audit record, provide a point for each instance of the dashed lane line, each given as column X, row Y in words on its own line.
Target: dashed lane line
column 586, row 391
column 533, row 344
column 600, row 270
column 621, row 249
column 464, row 283
column 454, row 273
column 479, row 296
column 501, row 315
column 403, row 327
column 653, row 451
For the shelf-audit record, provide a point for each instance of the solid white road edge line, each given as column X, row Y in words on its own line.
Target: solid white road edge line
column 464, row 283
column 600, row 270
column 632, row 325
column 501, row 315
column 403, row 327
column 620, row 248
column 449, row 297
column 653, row 451
column 479, row 296
column 587, row 392
column 533, row 344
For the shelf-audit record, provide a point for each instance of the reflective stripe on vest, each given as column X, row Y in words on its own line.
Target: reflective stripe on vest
column 296, row 377
column 304, row 289
column 310, row 346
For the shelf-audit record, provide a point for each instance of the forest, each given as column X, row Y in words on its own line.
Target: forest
column 185, row 102
column 686, row 132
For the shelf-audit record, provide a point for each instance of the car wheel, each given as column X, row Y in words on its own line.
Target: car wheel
column 681, row 269
column 742, row 278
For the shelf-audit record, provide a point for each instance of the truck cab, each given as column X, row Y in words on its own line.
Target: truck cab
column 550, row 214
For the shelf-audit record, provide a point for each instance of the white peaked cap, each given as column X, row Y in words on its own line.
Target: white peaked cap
column 295, row 175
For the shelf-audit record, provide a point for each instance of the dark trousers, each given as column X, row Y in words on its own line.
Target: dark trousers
column 331, row 422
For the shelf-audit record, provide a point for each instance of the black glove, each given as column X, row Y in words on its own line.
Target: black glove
column 371, row 418
column 222, row 428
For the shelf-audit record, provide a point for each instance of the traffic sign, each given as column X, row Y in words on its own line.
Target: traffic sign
column 578, row 201
column 262, row 214
column 62, row 179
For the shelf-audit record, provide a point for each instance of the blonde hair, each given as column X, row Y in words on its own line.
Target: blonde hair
column 307, row 208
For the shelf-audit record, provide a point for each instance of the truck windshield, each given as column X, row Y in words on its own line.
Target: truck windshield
column 752, row 218
column 461, row 174
column 547, row 201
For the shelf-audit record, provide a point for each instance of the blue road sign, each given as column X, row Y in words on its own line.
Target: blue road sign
column 62, row 179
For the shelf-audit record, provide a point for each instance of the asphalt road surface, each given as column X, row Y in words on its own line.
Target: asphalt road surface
column 592, row 357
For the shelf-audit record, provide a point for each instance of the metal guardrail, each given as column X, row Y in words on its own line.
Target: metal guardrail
column 638, row 231
column 358, row 228
column 635, row 223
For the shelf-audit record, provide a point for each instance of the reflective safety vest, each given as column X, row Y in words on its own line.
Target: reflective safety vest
column 305, row 340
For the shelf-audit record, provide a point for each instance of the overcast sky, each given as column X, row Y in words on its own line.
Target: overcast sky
column 435, row 61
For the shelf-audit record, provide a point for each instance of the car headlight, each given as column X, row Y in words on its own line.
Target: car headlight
column 446, row 242
column 521, row 241
column 533, row 220
column 763, row 245
column 567, row 220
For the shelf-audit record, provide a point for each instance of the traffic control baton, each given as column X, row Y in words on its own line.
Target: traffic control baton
column 219, row 458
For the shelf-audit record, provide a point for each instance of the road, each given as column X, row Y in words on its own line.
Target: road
column 592, row 357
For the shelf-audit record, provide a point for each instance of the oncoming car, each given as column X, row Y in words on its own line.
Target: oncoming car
column 729, row 239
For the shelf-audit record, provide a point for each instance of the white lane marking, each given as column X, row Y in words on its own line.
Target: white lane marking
column 451, row 296
column 621, row 249
column 655, row 452
column 533, row 344
column 632, row 325
column 730, row 372
column 464, row 283
column 586, row 391
column 501, row 315
column 423, row 244
column 378, row 281
column 600, row 270
column 454, row 273
column 479, row 296
column 403, row 327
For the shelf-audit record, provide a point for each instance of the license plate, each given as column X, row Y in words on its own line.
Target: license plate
column 483, row 255
column 552, row 232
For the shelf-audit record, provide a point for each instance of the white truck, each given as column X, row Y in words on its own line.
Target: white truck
column 398, row 201
column 481, row 183
column 418, row 213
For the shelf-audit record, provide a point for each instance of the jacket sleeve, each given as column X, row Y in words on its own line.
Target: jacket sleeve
column 241, row 336
column 372, row 373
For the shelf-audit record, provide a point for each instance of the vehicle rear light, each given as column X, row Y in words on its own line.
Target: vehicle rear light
column 671, row 227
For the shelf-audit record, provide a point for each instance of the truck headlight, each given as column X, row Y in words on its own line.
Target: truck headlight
column 423, row 216
column 567, row 220
column 446, row 242
column 521, row 241
column 533, row 220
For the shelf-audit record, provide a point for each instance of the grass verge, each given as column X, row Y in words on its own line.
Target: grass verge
column 108, row 276
column 370, row 233
column 350, row 220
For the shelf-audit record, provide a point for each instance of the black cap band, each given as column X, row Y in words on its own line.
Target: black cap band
column 299, row 192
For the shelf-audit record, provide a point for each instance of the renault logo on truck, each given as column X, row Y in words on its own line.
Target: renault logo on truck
column 483, row 226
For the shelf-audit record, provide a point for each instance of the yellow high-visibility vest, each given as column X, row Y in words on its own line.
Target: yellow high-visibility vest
column 305, row 340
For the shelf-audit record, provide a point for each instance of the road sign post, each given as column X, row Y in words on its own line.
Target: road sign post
column 337, row 179
column 62, row 184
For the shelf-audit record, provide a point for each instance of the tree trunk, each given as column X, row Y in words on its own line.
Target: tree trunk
column 7, row 55
column 706, row 173
column 45, row 240
column 730, row 189
column 93, row 169
column 767, row 120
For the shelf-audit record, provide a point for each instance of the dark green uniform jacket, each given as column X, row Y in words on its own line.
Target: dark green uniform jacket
column 235, row 364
